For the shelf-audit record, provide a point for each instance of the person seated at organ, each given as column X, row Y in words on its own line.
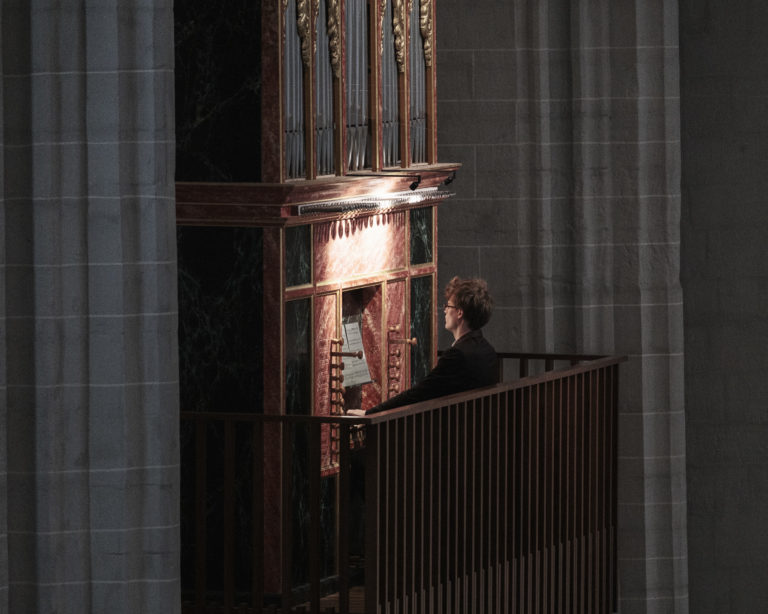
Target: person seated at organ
column 471, row 360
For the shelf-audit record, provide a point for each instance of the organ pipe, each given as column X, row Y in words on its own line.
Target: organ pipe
column 390, row 111
column 295, row 162
column 344, row 109
column 356, row 19
column 324, row 95
column 418, row 105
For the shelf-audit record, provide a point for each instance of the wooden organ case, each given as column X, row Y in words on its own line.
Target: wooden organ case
column 307, row 193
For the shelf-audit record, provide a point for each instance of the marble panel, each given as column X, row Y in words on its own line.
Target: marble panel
column 273, row 404
column 396, row 319
column 326, row 330
column 299, row 383
column 298, row 364
column 221, row 343
column 298, row 255
column 372, row 344
column 220, row 318
column 422, row 250
column 359, row 246
column 273, row 321
column 422, row 315
column 271, row 100
column 218, row 90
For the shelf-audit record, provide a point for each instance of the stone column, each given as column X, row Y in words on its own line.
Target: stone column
column 89, row 476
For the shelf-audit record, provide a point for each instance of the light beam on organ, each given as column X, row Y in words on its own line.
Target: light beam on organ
column 360, row 246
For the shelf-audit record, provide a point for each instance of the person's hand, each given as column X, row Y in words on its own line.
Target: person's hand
column 355, row 412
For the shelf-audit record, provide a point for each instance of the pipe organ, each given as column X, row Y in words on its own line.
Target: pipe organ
column 307, row 195
column 358, row 79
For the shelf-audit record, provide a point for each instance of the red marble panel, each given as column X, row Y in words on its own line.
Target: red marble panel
column 325, row 330
column 396, row 353
column 371, row 325
column 359, row 246
column 273, row 310
column 271, row 95
column 273, row 404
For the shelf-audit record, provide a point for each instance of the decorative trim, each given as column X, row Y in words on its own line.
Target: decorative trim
column 384, row 202
column 302, row 24
column 425, row 24
column 398, row 28
column 315, row 6
column 334, row 36
column 283, row 22
column 382, row 12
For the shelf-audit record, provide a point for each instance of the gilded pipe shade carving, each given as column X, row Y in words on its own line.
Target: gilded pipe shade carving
column 334, row 36
column 425, row 23
column 302, row 24
column 398, row 27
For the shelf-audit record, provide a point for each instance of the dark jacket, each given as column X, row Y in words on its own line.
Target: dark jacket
column 469, row 363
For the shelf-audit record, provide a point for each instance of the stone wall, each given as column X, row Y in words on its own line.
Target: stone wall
column 724, row 101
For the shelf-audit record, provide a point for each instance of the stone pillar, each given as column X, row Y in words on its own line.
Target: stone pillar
column 88, row 317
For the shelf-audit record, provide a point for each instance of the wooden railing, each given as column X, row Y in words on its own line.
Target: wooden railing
column 500, row 499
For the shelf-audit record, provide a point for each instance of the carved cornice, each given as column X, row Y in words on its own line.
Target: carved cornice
column 425, row 24
column 398, row 28
column 334, row 36
column 303, row 24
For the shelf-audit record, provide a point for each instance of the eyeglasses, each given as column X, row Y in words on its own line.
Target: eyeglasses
column 449, row 306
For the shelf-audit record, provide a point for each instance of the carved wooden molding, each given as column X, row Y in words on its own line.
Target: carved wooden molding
column 425, row 24
column 283, row 20
column 398, row 28
column 303, row 24
column 382, row 11
column 315, row 8
column 334, row 36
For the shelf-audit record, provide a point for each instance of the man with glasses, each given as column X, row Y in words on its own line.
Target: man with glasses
column 470, row 362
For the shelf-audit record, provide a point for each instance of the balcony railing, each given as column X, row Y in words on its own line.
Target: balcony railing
column 501, row 499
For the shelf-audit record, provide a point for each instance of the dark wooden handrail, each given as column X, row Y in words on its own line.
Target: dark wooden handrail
column 501, row 499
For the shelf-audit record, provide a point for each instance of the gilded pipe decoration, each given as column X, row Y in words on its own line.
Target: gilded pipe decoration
column 334, row 36
column 315, row 7
column 425, row 24
column 398, row 28
column 302, row 24
column 282, row 31
column 382, row 10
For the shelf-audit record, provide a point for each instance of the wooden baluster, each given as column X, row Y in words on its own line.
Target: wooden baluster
column 257, row 501
column 201, row 463
column 315, row 524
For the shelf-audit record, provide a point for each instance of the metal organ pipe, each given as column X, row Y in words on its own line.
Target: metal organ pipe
column 390, row 115
column 324, row 95
column 356, row 20
column 294, row 94
column 356, row 94
column 417, row 88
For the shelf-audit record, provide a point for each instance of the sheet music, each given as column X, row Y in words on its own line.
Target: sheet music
column 355, row 369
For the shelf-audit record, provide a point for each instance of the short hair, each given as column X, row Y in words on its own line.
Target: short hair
column 471, row 296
